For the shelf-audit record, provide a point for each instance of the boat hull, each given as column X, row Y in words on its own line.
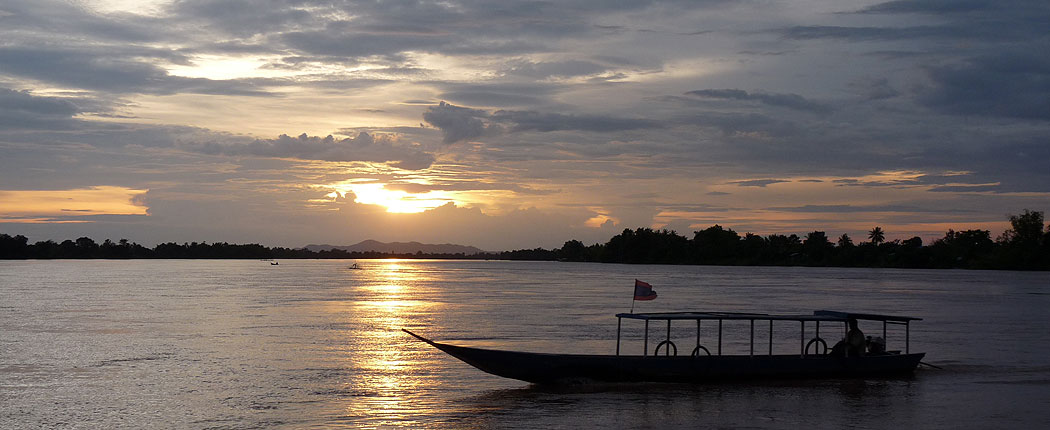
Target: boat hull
column 544, row 368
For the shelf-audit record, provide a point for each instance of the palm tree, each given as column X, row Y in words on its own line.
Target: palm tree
column 876, row 235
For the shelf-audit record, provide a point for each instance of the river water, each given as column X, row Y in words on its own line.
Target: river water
column 232, row 344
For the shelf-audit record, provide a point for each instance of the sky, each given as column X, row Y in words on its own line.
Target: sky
column 509, row 125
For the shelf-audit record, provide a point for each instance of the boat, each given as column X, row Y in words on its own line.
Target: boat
column 814, row 359
column 355, row 266
column 274, row 263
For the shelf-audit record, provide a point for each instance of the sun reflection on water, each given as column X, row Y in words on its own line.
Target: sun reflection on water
column 389, row 297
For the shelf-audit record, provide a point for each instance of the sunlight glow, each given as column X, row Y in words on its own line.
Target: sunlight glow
column 221, row 68
column 395, row 201
column 599, row 220
column 141, row 7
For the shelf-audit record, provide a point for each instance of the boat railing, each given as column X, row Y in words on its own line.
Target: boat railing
column 818, row 344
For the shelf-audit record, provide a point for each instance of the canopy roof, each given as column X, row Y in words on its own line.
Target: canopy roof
column 821, row 315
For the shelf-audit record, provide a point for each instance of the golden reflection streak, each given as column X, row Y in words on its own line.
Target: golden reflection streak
column 387, row 367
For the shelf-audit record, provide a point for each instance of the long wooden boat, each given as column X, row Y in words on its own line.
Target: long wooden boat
column 701, row 365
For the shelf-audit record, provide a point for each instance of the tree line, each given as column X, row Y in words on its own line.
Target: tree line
column 18, row 247
column 1025, row 246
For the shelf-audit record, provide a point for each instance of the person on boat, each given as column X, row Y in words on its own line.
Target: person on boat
column 876, row 345
column 854, row 343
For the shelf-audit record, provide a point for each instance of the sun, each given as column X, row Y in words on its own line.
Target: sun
column 395, row 201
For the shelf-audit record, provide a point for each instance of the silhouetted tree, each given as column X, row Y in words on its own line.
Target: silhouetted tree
column 1026, row 229
column 44, row 250
column 753, row 249
column 573, row 250
column 1023, row 241
column 783, row 249
column 12, row 247
column 816, row 247
column 645, row 245
column 963, row 249
column 876, row 235
column 715, row 245
column 914, row 242
column 845, row 241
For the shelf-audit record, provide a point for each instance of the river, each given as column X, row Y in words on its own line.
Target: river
column 236, row 344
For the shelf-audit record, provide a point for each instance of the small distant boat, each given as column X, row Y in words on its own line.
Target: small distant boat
column 274, row 263
column 700, row 366
column 355, row 267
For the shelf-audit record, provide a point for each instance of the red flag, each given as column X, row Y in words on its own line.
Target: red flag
column 643, row 291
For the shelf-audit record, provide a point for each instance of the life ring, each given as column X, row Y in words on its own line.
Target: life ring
column 670, row 346
column 696, row 351
column 816, row 349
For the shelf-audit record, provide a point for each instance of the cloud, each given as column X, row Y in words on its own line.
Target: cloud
column 244, row 18
column 415, row 188
column 874, row 88
column 1008, row 84
column 456, row 123
column 459, row 123
column 549, row 69
column 21, row 109
column 58, row 18
column 861, row 209
column 934, row 6
column 791, row 101
column 111, row 69
column 808, row 32
column 546, row 121
column 364, row 147
column 972, row 21
column 503, row 94
column 761, row 183
column 749, row 126
column 356, row 45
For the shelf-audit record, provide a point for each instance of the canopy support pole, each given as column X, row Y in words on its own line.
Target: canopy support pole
column 645, row 343
column 698, row 336
column 619, row 321
column 802, row 340
column 752, row 338
column 720, row 336
column 907, row 337
column 770, row 337
column 669, row 339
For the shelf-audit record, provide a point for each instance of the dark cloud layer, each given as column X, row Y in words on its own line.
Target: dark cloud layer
column 20, row 109
column 761, row 183
column 96, row 69
column 791, row 101
column 1009, row 84
column 459, row 123
column 456, row 123
column 364, row 147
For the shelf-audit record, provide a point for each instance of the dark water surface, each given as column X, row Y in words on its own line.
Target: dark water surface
column 243, row 344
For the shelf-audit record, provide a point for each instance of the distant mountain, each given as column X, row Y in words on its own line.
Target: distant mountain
column 400, row 248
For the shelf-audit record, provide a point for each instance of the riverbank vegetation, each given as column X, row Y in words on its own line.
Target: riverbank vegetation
column 1025, row 246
